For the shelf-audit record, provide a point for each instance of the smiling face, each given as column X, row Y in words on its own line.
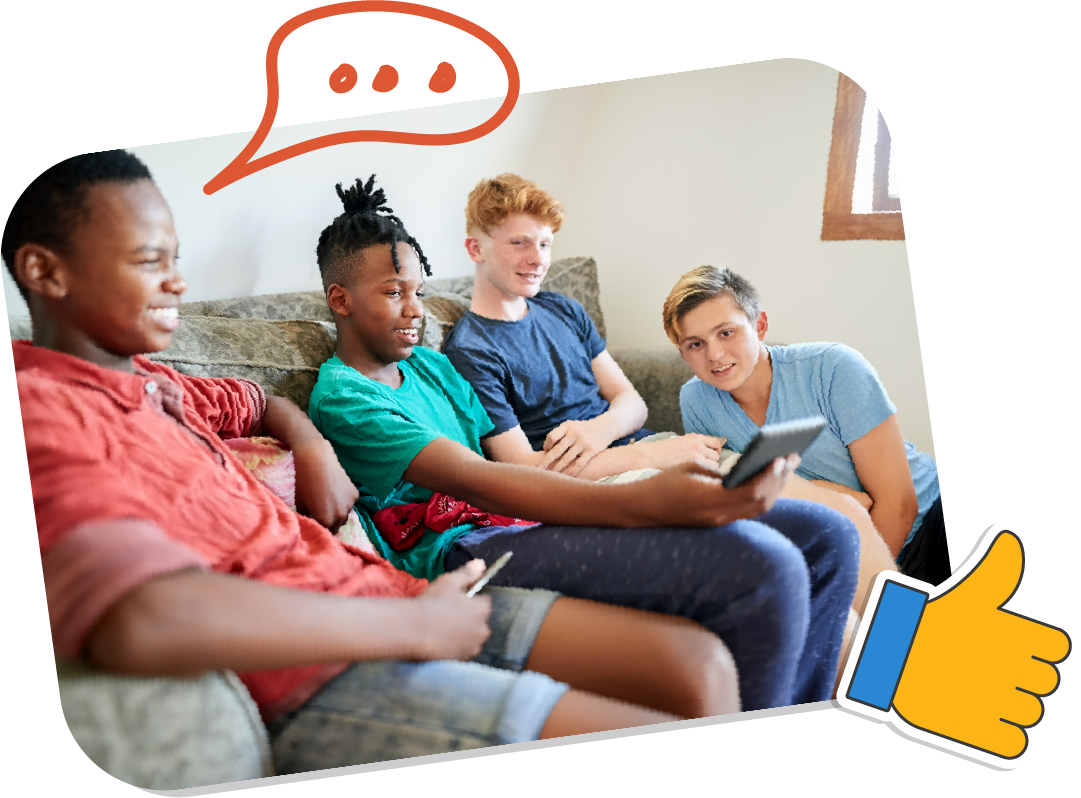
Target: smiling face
column 514, row 257
column 380, row 312
column 720, row 344
column 113, row 290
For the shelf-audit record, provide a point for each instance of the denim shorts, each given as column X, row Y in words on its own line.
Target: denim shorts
column 381, row 710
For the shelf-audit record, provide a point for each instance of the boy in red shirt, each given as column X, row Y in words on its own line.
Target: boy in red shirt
column 162, row 555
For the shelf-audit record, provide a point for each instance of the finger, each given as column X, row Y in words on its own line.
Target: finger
column 714, row 443
column 466, row 575
column 554, row 437
column 566, row 460
column 581, row 462
column 557, row 451
column 995, row 577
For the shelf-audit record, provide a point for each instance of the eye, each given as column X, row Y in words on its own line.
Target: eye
column 395, row 292
column 726, row 333
column 420, row 295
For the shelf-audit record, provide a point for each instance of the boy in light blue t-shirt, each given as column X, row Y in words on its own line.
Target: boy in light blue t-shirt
column 713, row 315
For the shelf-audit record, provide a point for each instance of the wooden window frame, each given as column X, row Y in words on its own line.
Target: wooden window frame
column 838, row 221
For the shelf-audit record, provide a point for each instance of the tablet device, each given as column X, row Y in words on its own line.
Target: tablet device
column 773, row 441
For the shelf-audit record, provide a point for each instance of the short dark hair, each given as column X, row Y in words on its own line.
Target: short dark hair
column 366, row 222
column 55, row 203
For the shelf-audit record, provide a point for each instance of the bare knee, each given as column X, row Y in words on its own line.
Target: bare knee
column 707, row 679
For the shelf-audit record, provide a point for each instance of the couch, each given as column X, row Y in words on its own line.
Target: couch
column 177, row 733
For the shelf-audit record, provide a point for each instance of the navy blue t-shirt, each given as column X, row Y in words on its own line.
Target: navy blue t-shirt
column 537, row 372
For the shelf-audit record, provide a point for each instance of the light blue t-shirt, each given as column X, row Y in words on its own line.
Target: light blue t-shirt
column 376, row 431
column 826, row 379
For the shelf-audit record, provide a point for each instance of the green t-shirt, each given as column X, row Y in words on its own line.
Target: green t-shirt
column 376, row 432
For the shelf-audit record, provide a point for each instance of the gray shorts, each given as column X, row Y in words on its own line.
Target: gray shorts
column 381, row 710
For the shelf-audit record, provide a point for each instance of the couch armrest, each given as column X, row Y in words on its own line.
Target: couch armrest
column 657, row 374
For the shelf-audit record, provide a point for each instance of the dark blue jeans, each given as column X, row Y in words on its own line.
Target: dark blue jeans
column 776, row 589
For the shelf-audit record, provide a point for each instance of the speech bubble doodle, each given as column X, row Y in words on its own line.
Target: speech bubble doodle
column 345, row 77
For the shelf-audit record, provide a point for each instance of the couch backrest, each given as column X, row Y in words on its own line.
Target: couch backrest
column 280, row 340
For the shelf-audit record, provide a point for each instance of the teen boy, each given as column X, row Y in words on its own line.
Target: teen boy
column 557, row 398
column 163, row 556
column 715, row 318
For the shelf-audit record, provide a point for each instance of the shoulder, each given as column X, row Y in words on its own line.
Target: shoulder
column 692, row 387
column 470, row 331
column 827, row 355
column 424, row 359
column 337, row 384
column 558, row 303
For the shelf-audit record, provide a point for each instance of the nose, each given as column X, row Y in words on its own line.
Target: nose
column 715, row 349
column 414, row 308
column 175, row 282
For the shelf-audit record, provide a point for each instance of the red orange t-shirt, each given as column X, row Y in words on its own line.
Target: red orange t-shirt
column 130, row 481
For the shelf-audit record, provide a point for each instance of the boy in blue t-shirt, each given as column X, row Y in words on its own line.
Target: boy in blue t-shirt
column 714, row 316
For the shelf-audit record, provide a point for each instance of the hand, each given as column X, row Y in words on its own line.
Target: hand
column 690, row 448
column 455, row 625
column 572, row 444
column 324, row 491
column 692, row 495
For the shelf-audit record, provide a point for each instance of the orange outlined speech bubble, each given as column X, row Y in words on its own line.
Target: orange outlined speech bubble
column 243, row 165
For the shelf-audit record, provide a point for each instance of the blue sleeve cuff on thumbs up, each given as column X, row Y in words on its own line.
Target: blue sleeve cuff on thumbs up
column 886, row 647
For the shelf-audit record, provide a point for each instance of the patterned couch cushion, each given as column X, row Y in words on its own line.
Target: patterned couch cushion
column 282, row 356
column 165, row 734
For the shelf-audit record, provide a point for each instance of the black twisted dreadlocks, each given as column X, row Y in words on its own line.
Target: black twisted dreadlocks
column 367, row 221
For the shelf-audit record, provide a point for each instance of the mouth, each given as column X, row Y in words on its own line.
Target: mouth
column 723, row 371
column 530, row 277
column 168, row 319
column 408, row 334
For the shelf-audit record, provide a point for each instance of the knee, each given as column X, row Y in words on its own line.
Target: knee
column 706, row 679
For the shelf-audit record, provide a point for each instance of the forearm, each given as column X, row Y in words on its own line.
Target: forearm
column 611, row 461
column 289, row 424
column 893, row 520
column 193, row 621
column 517, row 490
column 625, row 415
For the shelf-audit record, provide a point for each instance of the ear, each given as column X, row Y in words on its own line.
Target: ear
column 41, row 271
column 472, row 248
column 762, row 326
column 339, row 300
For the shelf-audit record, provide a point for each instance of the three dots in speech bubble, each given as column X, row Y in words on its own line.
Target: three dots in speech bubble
column 345, row 77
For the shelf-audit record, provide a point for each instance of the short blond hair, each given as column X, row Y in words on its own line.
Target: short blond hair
column 492, row 201
column 701, row 285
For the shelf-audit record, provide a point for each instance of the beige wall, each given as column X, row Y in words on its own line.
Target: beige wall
column 658, row 175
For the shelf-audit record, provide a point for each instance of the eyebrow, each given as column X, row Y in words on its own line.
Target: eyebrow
column 711, row 329
column 148, row 248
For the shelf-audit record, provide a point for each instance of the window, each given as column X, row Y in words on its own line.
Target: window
column 860, row 172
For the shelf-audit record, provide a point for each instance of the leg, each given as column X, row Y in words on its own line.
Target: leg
column 669, row 664
column 744, row 582
column 382, row 710
column 830, row 545
column 874, row 554
column 582, row 713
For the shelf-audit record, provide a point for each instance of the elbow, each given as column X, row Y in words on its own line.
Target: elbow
column 140, row 636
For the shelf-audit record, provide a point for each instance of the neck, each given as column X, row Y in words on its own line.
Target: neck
column 492, row 303
column 68, row 341
column 354, row 354
column 754, row 392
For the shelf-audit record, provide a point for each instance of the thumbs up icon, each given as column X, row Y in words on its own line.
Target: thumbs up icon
column 957, row 670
